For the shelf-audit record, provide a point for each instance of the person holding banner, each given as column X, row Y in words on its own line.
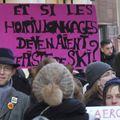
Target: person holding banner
column 111, row 92
column 97, row 74
column 12, row 102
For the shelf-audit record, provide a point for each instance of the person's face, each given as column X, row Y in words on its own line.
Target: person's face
column 113, row 96
column 105, row 77
column 6, row 72
column 107, row 49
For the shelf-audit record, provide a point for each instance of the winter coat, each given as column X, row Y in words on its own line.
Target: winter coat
column 20, row 83
column 15, row 112
column 107, row 59
column 70, row 109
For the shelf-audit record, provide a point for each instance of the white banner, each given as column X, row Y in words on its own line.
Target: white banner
column 105, row 112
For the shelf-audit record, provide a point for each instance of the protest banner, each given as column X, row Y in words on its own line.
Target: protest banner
column 105, row 112
column 69, row 33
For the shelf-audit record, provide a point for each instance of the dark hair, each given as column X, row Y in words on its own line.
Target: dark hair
column 105, row 42
column 109, row 84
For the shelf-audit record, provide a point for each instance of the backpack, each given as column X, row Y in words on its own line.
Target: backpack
column 40, row 117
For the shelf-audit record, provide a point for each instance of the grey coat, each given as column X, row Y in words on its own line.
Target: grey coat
column 17, row 112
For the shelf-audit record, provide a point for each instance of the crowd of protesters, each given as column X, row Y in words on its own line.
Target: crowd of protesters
column 53, row 91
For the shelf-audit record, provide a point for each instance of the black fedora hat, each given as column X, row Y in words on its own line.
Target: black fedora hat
column 7, row 57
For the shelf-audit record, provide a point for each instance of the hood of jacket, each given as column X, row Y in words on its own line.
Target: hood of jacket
column 71, row 108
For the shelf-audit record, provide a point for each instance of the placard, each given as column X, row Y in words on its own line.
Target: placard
column 105, row 112
column 69, row 33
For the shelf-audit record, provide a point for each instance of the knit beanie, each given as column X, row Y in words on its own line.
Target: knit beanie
column 53, row 83
column 95, row 70
column 115, row 81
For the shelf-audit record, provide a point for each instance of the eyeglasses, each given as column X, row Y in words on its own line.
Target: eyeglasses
column 5, row 68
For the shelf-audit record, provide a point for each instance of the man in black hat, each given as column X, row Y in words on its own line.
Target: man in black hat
column 12, row 103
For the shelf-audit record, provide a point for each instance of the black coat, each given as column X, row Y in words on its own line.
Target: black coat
column 20, row 83
column 70, row 109
column 108, row 59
